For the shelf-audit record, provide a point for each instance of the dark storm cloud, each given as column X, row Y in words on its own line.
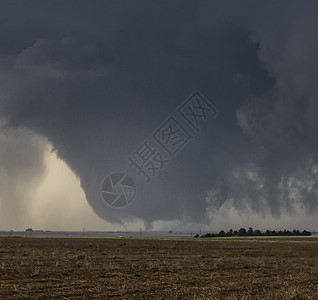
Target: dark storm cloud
column 98, row 78
column 284, row 169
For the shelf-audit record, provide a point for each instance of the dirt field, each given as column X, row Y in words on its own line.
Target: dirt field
column 42, row 268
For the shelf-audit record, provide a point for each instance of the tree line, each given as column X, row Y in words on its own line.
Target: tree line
column 251, row 232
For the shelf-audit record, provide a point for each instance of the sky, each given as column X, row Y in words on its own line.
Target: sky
column 88, row 87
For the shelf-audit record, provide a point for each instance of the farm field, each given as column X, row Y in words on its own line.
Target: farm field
column 95, row 268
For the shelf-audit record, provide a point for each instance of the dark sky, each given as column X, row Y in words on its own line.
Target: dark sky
column 97, row 78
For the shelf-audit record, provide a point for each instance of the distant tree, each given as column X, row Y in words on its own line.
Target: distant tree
column 250, row 231
column 257, row 232
column 229, row 233
column 221, row 233
column 242, row 232
column 29, row 230
column 207, row 235
column 305, row 232
column 196, row 235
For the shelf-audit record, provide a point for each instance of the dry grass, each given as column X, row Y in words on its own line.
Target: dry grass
column 40, row 268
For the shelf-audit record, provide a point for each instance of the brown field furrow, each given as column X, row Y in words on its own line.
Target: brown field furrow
column 42, row 268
